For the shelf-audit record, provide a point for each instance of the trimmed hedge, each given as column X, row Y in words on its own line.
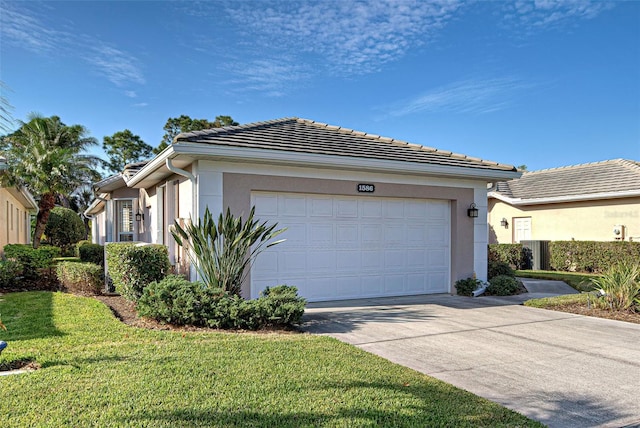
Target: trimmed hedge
column 64, row 229
column 131, row 267
column 503, row 285
column 91, row 253
column 80, row 277
column 9, row 269
column 177, row 301
column 30, row 260
column 591, row 256
column 514, row 255
column 466, row 287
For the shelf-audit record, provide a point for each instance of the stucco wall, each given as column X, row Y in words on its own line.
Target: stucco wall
column 582, row 221
column 14, row 220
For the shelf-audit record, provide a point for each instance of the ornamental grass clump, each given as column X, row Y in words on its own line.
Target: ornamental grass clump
column 619, row 287
column 223, row 252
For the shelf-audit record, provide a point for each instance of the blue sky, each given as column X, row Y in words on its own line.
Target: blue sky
column 545, row 83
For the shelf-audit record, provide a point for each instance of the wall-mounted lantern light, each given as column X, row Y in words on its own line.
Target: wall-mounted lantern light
column 472, row 211
column 139, row 216
column 504, row 223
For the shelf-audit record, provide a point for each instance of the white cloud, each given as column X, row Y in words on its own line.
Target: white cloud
column 269, row 75
column 27, row 29
column 130, row 94
column 540, row 14
column 475, row 96
column 348, row 37
column 141, row 105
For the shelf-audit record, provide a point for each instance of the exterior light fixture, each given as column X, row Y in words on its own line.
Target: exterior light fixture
column 139, row 216
column 472, row 211
column 504, row 223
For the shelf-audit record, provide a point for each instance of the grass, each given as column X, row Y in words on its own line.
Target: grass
column 557, row 301
column 579, row 281
column 96, row 371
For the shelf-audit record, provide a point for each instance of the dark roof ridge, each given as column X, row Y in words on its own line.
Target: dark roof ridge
column 225, row 129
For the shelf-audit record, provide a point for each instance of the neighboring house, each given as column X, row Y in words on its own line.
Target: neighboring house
column 16, row 208
column 591, row 202
column 365, row 215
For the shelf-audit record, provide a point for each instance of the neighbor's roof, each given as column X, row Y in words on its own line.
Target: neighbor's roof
column 598, row 180
column 309, row 137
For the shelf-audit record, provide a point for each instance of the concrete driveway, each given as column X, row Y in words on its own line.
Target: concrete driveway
column 561, row 369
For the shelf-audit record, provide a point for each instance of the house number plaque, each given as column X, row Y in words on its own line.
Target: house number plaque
column 366, row 188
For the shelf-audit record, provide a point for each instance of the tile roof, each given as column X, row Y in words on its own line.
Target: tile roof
column 610, row 176
column 306, row 136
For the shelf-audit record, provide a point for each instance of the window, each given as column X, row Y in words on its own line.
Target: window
column 124, row 220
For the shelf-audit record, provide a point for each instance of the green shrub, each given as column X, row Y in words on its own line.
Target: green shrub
column 175, row 300
column 499, row 268
column 91, row 253
column 80, row 244
column 131, row 267
column 222, row 252
column 80, row 277
column 619, row 286
column 64, row 229
column 503, row 285
column 514, row 255
column 591, row 256
column 31, row 261
column 9, row 269
column 466, row 287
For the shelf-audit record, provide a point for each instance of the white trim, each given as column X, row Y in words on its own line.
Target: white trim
column 560, row 199
column 194, row 150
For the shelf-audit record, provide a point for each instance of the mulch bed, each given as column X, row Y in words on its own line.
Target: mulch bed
column 583, row 309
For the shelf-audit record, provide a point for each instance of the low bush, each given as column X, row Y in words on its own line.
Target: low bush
column 619, row 287
column 174, row 300
column 80, row 277
column 499, row 268
column 515, row 255
column 591, row 256
column 466, row 287
column 503, row 285
column 31, row 261
column 131, row 267
column 9, row 269
column 91, row 253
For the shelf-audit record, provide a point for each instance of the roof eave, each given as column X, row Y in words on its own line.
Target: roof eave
column 562, row 199
column 341, row 162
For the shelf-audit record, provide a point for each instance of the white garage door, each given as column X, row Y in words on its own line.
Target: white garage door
column 340, row 247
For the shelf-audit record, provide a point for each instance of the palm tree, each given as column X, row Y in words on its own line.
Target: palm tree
column 46, row 156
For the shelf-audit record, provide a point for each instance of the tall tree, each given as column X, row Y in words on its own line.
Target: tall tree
column 48, row 158
column 178, row 125
column 123, row 148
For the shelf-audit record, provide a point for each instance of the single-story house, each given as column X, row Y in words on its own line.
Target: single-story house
column 365, row 215
column 16, row 208
column 591, row 202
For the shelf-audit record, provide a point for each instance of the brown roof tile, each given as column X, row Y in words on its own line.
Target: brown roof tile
column 307, row 136
column 618, row 175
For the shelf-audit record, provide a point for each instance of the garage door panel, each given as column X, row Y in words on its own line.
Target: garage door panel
column 346, row 208
column 347, row 235
column 320, row 207
column 348, row 261
column 340, row 247
column 371, row 208
column 394, row 284
column 321, row 235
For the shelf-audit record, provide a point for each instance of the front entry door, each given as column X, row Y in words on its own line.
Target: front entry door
column 521, row 229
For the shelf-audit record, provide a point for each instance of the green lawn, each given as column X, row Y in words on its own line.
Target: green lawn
column 579, row 281
column 551, row 302
column 99, row 372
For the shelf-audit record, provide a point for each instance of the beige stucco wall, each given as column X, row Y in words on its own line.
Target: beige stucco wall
column 582, row 221
column 14, row 220
column 237, row 190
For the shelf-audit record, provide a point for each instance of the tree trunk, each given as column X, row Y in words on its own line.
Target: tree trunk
column 46, row 204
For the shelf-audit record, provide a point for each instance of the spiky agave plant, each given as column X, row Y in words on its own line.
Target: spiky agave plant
column 619, row 286
column 222, row 253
